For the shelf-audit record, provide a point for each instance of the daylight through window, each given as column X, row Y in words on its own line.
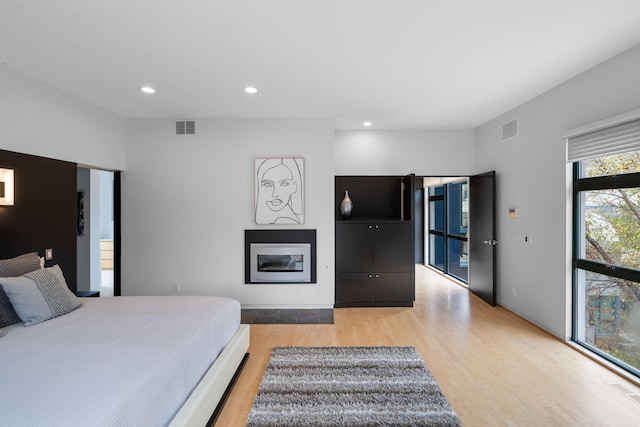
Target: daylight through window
column 606, row 297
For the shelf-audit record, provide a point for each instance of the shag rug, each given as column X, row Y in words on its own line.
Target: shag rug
column 349, row 386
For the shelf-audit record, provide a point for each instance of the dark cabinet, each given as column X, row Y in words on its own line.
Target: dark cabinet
column 371, row 289
column 353, row 287
column 375, row 247
column 374, row 263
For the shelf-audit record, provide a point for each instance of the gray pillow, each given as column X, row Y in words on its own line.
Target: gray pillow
column 19, row 265
column 11, row 268
column 8, row 315
column 40, row 295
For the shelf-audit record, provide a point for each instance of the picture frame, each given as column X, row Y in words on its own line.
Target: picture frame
column 279, row 190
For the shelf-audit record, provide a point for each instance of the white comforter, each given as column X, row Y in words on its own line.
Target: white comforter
column 124, row 361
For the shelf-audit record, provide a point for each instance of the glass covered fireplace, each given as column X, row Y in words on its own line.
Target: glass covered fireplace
column 280, row 256
column 280, row 262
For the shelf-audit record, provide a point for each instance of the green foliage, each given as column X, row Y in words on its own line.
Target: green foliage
column 612, row 236
column 612, row 226
column 613, row 165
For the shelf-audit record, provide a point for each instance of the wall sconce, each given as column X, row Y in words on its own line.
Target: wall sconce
column 6, row 187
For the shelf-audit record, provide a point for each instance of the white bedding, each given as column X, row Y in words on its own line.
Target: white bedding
column 124, row 361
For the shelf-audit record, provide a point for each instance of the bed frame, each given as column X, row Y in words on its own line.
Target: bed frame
column 210, row 391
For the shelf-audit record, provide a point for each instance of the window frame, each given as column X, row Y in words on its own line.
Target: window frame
column 445, row 235
column 580, row 185
column 434, row 232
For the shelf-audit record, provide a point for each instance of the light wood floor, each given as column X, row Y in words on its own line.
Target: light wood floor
column 495, row 368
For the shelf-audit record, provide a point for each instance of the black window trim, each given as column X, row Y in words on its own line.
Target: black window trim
column 607, row 182
column 444, row 197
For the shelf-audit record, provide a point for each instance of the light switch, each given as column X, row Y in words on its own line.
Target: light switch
column 48, row 254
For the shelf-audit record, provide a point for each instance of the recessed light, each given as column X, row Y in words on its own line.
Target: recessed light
column 367, row 124
column 147, row 89
column 250, row 89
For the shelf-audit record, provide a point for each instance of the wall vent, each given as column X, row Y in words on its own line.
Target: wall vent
column 185, row 127
column 509, row 130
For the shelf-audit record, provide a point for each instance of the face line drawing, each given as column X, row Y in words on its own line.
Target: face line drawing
column 278, row 191
column 279, row 180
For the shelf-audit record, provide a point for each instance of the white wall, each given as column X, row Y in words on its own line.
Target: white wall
column 94, row 211
column 398, row 152
column 186, row 201
column 36, row 118
column 106, row 205
column 533, row 177
column 88, row 250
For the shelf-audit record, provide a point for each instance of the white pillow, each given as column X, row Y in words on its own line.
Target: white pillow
column 40, row 295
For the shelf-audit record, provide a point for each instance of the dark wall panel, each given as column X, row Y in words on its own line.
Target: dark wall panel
column 45, row 211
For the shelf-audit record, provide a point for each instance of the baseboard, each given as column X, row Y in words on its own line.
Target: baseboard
column 538, row 325
column 604, row 362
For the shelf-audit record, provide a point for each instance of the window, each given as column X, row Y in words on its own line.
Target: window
column 437, row 216
column 606, row 261
column 448, row 227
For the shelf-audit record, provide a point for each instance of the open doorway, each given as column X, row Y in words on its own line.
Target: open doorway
column 446, row 225
column 459, row 233
column 95, row 247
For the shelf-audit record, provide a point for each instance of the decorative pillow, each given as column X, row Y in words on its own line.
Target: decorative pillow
column 40, row 295
column 11, row 268
column 19, row 265
column 8, row 315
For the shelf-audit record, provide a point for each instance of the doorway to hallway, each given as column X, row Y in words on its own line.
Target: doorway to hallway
column 95, row 246
column 458, row 231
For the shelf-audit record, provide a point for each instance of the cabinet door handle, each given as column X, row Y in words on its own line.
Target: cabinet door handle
column 371, row 226
column 370, row 276
column 377, row 226
column 377, row 276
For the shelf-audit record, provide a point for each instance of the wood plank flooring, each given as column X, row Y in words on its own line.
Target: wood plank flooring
column 495, row 368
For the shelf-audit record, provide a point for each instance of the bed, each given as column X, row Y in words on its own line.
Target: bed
column 123, row 361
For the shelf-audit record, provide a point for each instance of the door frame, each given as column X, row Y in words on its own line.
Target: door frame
column 490, row 296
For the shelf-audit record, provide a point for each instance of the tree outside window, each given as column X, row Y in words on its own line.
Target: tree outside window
column 608, row 258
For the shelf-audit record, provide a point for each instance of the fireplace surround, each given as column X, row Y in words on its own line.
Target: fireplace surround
column 280, row 256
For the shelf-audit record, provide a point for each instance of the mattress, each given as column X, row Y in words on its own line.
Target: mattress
column 124, row 361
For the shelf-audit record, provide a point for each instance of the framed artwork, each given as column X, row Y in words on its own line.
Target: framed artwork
column 279, row 190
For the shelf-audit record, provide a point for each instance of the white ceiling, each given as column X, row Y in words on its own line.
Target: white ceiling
column 403, row 64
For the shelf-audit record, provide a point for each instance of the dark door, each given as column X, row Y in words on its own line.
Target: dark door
column 392, row 287
column 482, row 241
column 392, row 246
column 354, row 287
column 354, row 247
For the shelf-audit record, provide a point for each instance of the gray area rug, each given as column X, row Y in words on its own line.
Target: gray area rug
column 349, row 386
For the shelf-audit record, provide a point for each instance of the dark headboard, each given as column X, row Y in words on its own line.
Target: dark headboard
column 45, row 211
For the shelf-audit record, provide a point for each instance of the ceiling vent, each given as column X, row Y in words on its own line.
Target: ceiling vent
column 509, row 130
column 185, row 127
